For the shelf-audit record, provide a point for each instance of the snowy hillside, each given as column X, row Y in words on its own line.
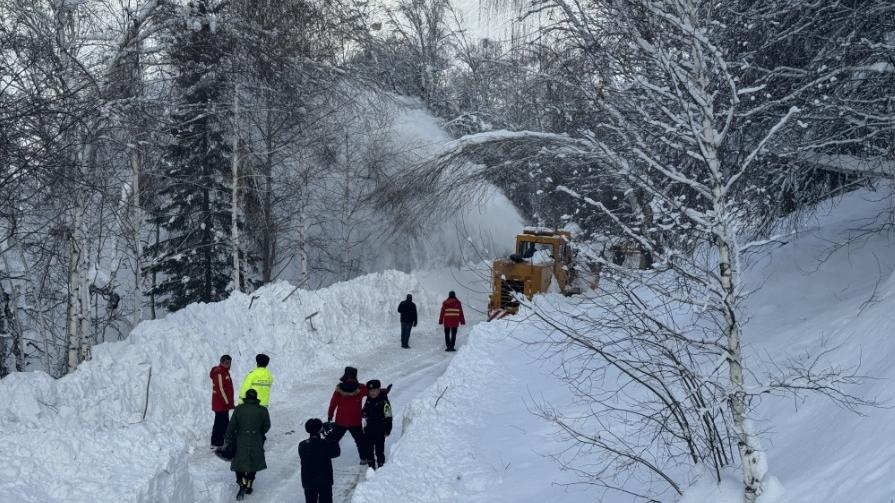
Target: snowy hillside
column 475, row 432
column 819, row 451
column 467, row 428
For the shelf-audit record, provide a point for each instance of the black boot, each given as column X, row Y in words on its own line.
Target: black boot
column 243, row 485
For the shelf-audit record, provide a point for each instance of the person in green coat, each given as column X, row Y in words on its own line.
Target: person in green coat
column 247, row 427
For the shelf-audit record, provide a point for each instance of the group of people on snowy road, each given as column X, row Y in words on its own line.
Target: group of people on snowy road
column 240, row 438
column 451, row 317
column 351, row 403
column 348, row 408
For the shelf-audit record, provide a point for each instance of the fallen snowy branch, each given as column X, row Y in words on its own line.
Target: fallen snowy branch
column 850, row 164
column 146, row 401
column 439, row 396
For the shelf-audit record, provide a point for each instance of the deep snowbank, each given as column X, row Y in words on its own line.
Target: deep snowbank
column 83, row 437
column 472, row 436
column 831, row 288
column 475, row 433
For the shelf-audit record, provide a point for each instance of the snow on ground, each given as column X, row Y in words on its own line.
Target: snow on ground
column 474, row 431
column 465, row 428
column 309, row 398
column 474, row 435
column 410, row 371
column 83, row 438
column 810, row 301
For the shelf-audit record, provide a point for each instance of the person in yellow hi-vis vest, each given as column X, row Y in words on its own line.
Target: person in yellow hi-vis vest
column 259, row 380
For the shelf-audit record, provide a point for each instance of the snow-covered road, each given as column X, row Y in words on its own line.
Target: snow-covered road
column 410, row 370
column 133, row 423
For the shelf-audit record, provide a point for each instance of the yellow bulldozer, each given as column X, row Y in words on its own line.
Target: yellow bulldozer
column 542, row 263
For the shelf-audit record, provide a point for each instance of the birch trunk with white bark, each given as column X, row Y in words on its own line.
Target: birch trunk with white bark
column 136, row 227
column 302, row 249
column 710, row 141
column 234, row 207
column 73, row 308
column 17, row 329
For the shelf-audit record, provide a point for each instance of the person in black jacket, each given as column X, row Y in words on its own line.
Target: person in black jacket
column 378, row 413
column 408, row 319
column 316, row 454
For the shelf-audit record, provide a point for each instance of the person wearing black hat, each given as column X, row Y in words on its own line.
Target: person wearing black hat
column 247, row 429
column 260, row 379
column 407, row 309
column 316, row 454
column 222, row 401
column 346, row 407
column 378, row 413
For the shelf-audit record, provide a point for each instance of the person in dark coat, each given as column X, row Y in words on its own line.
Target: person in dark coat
column 222, row 400
column 316, row 454
column 346, row 406
column 247, row 429
column 378, row 413
column 451, row 317
column 408, row 319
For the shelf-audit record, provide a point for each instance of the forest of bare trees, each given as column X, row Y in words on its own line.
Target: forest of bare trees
column 157, row 153
column 688, row 131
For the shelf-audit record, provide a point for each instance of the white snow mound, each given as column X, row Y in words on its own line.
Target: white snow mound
column 84, row 438
column 473, row 436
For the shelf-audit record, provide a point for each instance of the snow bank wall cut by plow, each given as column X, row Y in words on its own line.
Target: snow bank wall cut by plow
column 75, row 439
column 824, row 291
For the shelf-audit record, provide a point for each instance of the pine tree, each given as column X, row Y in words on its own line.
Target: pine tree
column 194, row 254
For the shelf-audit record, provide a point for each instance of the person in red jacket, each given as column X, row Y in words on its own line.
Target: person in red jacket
column 221, row 400
column 451, row 317
column 346, row 406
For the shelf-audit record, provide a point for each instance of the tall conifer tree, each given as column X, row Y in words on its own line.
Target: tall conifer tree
column 194, row 254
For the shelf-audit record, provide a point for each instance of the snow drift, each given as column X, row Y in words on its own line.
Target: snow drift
column 471, row 436
column 827, row 286
column 84, row 437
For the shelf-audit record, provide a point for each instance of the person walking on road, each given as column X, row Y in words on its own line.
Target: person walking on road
column 346, row 406
column 247, row 429
column 378, row 413
column 407, row 309
column 316, row 454
column 221, row 400
column 260, row 379
column 451, row 317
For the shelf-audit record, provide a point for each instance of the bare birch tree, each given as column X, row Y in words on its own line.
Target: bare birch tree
column 685, row 133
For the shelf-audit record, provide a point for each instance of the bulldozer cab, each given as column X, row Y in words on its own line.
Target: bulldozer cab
column 528, row 249
column 542, row 262
column 553, row 247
